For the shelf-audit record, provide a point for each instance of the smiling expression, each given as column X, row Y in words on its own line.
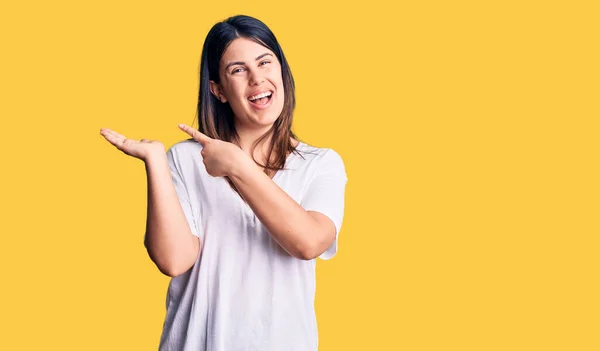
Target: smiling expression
column 251, row 82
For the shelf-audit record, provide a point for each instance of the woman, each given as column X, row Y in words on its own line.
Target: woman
column 238, row 214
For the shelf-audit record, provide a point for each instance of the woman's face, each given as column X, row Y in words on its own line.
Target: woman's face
column 251, row 82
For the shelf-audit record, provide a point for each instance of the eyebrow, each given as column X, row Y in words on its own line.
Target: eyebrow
column 243, row 63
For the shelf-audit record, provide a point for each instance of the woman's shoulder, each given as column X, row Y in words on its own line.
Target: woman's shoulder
column 320, row 160
column 184, row 153
column 185, row 146
column 312, row 152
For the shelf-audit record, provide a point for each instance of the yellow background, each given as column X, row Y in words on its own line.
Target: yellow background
column 469, row 132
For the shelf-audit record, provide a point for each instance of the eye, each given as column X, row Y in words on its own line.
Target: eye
column 264, row 62
column 239, row 69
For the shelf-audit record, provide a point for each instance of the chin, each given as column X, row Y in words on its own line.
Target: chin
column 268, row 118
column 266, row 121
column 263, row 118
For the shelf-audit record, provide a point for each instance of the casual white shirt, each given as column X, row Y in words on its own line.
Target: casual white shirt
column 245, row 292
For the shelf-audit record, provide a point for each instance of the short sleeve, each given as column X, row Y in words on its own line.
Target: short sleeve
column 325, row 194
column 181, row 189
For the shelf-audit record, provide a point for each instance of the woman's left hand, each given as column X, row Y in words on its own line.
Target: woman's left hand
column 220, row 157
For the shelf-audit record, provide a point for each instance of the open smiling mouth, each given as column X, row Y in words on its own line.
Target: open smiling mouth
column 261, row 99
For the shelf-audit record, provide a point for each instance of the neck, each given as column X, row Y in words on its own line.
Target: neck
column 247, row 139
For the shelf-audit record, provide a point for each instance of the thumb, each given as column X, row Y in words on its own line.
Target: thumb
column 199, row 137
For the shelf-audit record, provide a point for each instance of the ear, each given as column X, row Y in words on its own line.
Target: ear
column 215, row 89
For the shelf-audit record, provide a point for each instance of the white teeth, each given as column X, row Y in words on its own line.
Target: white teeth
column 262, row 95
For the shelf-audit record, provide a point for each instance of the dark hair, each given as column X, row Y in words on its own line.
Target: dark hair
column 216, row 119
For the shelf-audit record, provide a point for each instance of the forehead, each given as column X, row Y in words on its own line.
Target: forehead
column 245, row 50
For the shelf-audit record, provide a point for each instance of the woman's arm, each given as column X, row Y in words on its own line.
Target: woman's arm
column 169, row 240
column 303, row 234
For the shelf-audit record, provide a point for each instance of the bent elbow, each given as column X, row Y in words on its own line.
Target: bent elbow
column 169, row 267
column 313, row 249
column 174, row 261
column 307, row 252
column 174, row 270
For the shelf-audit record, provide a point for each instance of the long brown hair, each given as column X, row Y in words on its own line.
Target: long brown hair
column 216, row 119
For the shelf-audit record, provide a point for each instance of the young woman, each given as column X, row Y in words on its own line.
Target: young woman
column 238, row 214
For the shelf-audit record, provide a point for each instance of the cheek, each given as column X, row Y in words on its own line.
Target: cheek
column 281, row 89
column 236, row 94
column 279, row 84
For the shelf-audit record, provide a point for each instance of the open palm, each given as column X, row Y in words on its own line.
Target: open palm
column 138, row 149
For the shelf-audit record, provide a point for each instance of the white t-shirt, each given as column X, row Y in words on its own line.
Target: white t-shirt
column 244, row 291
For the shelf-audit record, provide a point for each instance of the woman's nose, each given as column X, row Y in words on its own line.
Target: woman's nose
column 256, row 79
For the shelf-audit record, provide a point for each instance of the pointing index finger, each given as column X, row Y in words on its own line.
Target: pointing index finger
column 199, row 137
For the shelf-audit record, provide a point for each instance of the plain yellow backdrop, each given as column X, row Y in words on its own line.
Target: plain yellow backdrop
column 469, row 130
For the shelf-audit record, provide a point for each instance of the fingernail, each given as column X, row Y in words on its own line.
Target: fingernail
column 180, row 125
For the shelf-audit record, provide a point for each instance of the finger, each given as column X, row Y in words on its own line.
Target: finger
column 105, row 131
column 114, row 134
column 108, row 135
column 113, row 137
column 201, row 138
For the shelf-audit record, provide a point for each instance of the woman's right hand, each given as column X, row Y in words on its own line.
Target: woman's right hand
column 139, row 149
